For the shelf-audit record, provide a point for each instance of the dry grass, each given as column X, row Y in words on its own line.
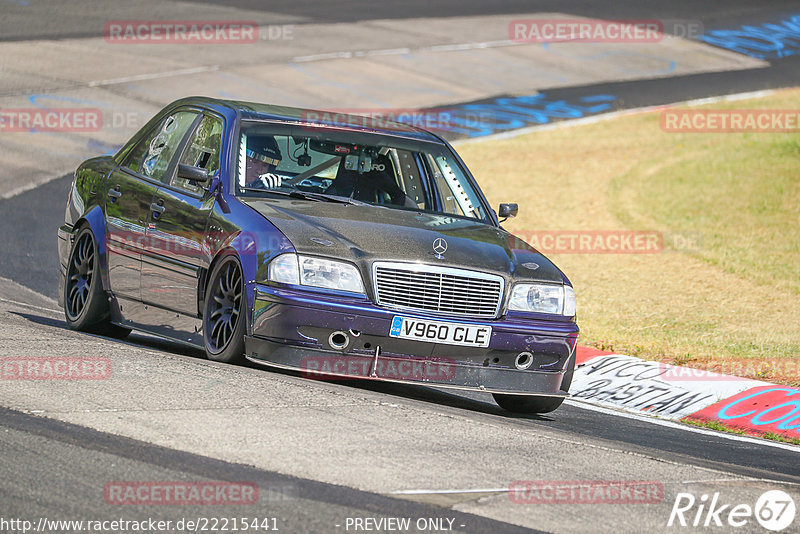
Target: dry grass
column 728, row 302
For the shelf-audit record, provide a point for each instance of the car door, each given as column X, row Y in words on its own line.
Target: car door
column 179, row 214
column 129, row 194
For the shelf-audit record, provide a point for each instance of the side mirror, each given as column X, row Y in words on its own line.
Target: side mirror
column 197, row 175
column 508, row 210
column 215, row 188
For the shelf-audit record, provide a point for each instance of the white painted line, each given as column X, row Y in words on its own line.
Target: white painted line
column 27, row 187
column 600, row 117
column 152, row 76
column 401, row 51
column 769, row 480
column 682, row 426
column 9, row 301
column 472, row 46
column 322, row 57
column 507, row 490
column 388, row 52
column 449, row 492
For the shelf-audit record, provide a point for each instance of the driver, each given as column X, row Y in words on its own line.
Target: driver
column 263, row 158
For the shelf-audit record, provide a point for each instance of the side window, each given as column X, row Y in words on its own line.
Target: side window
column 203, row 150
column 153, row 154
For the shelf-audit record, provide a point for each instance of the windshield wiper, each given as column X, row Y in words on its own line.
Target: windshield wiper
column 305, row 195
column 293, row 193
column 337, row 198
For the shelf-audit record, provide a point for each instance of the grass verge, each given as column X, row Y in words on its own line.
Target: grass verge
column 724, row 293
column 716, row 425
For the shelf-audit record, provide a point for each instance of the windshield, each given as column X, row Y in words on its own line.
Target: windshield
column 357, row 168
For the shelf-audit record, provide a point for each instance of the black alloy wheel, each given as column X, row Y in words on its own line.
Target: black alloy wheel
column 223, row 324
column 85, row 304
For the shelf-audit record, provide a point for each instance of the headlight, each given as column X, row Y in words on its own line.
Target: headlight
column 315, row 272
column 543, row 298
column 284, row 269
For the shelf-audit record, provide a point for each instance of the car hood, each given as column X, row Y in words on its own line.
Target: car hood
column 363, row 234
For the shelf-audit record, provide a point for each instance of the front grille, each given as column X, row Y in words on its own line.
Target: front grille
column 437, row 289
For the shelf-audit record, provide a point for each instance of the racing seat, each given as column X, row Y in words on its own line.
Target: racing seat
column 374, row 186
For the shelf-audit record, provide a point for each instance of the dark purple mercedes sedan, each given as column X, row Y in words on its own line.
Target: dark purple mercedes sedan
column 337, row 248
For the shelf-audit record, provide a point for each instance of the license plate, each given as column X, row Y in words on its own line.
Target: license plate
column 466, row 335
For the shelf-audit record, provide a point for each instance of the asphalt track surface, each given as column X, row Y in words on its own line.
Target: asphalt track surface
column 57, row 470
column 299, row 505
column 53, row 468
column 637, row 436
column 82, row 21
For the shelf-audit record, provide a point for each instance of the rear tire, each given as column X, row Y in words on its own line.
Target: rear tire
column 537, row 403
column 85, row 304
column 223, row 324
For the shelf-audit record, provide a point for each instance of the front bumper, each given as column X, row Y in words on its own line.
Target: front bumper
column 293, row 328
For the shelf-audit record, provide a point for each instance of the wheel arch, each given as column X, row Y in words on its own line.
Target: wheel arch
column 202, row 286
column 254, row 240
column 95, row 220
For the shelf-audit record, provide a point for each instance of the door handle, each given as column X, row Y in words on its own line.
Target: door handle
column 157, row 208
column 114, row 194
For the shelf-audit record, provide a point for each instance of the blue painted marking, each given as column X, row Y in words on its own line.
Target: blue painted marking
column 106, row 149
column 512, row 113
column 766, row 41
column 34, row 100
column 756, row 420
column 94, row 145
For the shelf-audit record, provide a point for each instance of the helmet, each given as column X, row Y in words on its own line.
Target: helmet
column 263, row 148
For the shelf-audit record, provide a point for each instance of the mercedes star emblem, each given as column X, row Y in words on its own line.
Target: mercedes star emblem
column 439, row 247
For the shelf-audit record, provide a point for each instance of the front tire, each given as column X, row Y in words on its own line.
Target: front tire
column 527, row 403
column 223, row 321
column 85, row 305
column 534, row 403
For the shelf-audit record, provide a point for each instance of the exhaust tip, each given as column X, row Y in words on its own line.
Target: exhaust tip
column 523, row 361
column 338, row 340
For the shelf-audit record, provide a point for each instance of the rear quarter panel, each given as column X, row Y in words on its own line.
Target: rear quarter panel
column 85, row 203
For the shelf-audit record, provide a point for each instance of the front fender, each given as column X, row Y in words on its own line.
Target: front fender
column 252, row 237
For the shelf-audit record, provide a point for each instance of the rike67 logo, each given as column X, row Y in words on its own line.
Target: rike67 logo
column 774, row 510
